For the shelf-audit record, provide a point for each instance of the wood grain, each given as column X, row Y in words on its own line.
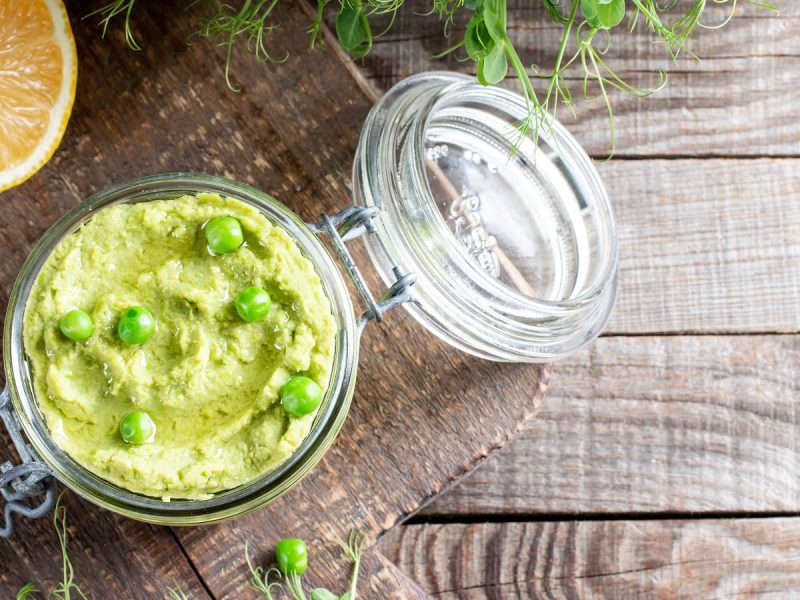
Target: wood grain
column 653, row 425
column 739, row 558
column 736, row 101
column 423, row 414
column 709, row 246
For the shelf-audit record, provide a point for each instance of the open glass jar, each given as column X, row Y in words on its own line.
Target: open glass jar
column 333, row 407
column 513, row 254
column 512, row 238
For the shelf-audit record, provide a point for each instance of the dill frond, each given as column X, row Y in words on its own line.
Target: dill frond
column 110, row 11
column 251, row 22
column 228, row 23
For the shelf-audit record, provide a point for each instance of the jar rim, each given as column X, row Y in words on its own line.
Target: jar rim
column 226, row 503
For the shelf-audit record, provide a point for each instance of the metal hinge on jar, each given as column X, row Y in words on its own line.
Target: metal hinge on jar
column 29, row 479
column 349, row 224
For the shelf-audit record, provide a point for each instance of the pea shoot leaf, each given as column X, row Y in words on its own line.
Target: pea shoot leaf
column 324, row 594
column 477, row 40
column 603, row 14
column 589, row 10
column 494, row 26
column 494, row 66
column 610, row 14
column 351, row 28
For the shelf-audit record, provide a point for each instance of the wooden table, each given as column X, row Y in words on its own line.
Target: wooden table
column 662, row 459
column 423, row 414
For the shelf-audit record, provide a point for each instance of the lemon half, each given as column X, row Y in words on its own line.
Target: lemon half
column 38, row 73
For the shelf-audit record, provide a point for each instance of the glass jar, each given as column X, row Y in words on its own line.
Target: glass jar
column 512, row 239
column 511, row 242
column 333, row 408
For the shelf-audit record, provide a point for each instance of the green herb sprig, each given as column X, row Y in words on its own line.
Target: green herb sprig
column 67, row 589
column 269, row 581
column 111, row 11
column 176, row 593
column 27, row 591
column 264, row 581
column 228, row 25
column 485, row 39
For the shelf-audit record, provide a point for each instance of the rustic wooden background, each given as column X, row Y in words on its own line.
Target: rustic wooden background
column 663, row 460
column 423, row 413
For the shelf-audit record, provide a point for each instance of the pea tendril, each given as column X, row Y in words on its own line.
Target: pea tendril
column 260, row 577
column 27, row 591
column 251, row 21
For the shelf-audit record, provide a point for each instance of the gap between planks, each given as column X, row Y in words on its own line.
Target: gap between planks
column 722, row 333
column 191, row 563
column 651, row 425
column 590, row 517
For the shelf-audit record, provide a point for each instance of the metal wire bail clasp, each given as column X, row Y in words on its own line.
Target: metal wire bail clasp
column 349, row 224
column 28, row 479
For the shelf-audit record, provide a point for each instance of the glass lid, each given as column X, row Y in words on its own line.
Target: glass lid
column 512, row 237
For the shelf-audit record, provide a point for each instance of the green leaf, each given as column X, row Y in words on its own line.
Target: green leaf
column 494, row 66
column 350, row 28
column 589, row 10
column 323, row 594
column 495, row 28
column 610, row 14
column 346, row 596
column 477, row 40
column 479, row 74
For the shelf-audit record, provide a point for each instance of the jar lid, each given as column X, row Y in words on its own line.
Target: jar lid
column 512, row 238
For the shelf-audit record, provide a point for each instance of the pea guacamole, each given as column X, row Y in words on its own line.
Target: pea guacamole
column 208, row 380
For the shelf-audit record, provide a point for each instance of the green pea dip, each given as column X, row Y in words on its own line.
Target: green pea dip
column 209, row 380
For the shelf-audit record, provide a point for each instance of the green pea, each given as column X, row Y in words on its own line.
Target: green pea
column 136, row 325
column 253, row 304
column 300, row 396
column 292, row 556
column 137, row 428
column 76, row 325
column 224, row 234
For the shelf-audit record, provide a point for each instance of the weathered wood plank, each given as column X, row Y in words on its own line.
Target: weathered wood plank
column 653, row 424
column 706, row 246
column 391, row 577
column 738, row 558
column 737, row 101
